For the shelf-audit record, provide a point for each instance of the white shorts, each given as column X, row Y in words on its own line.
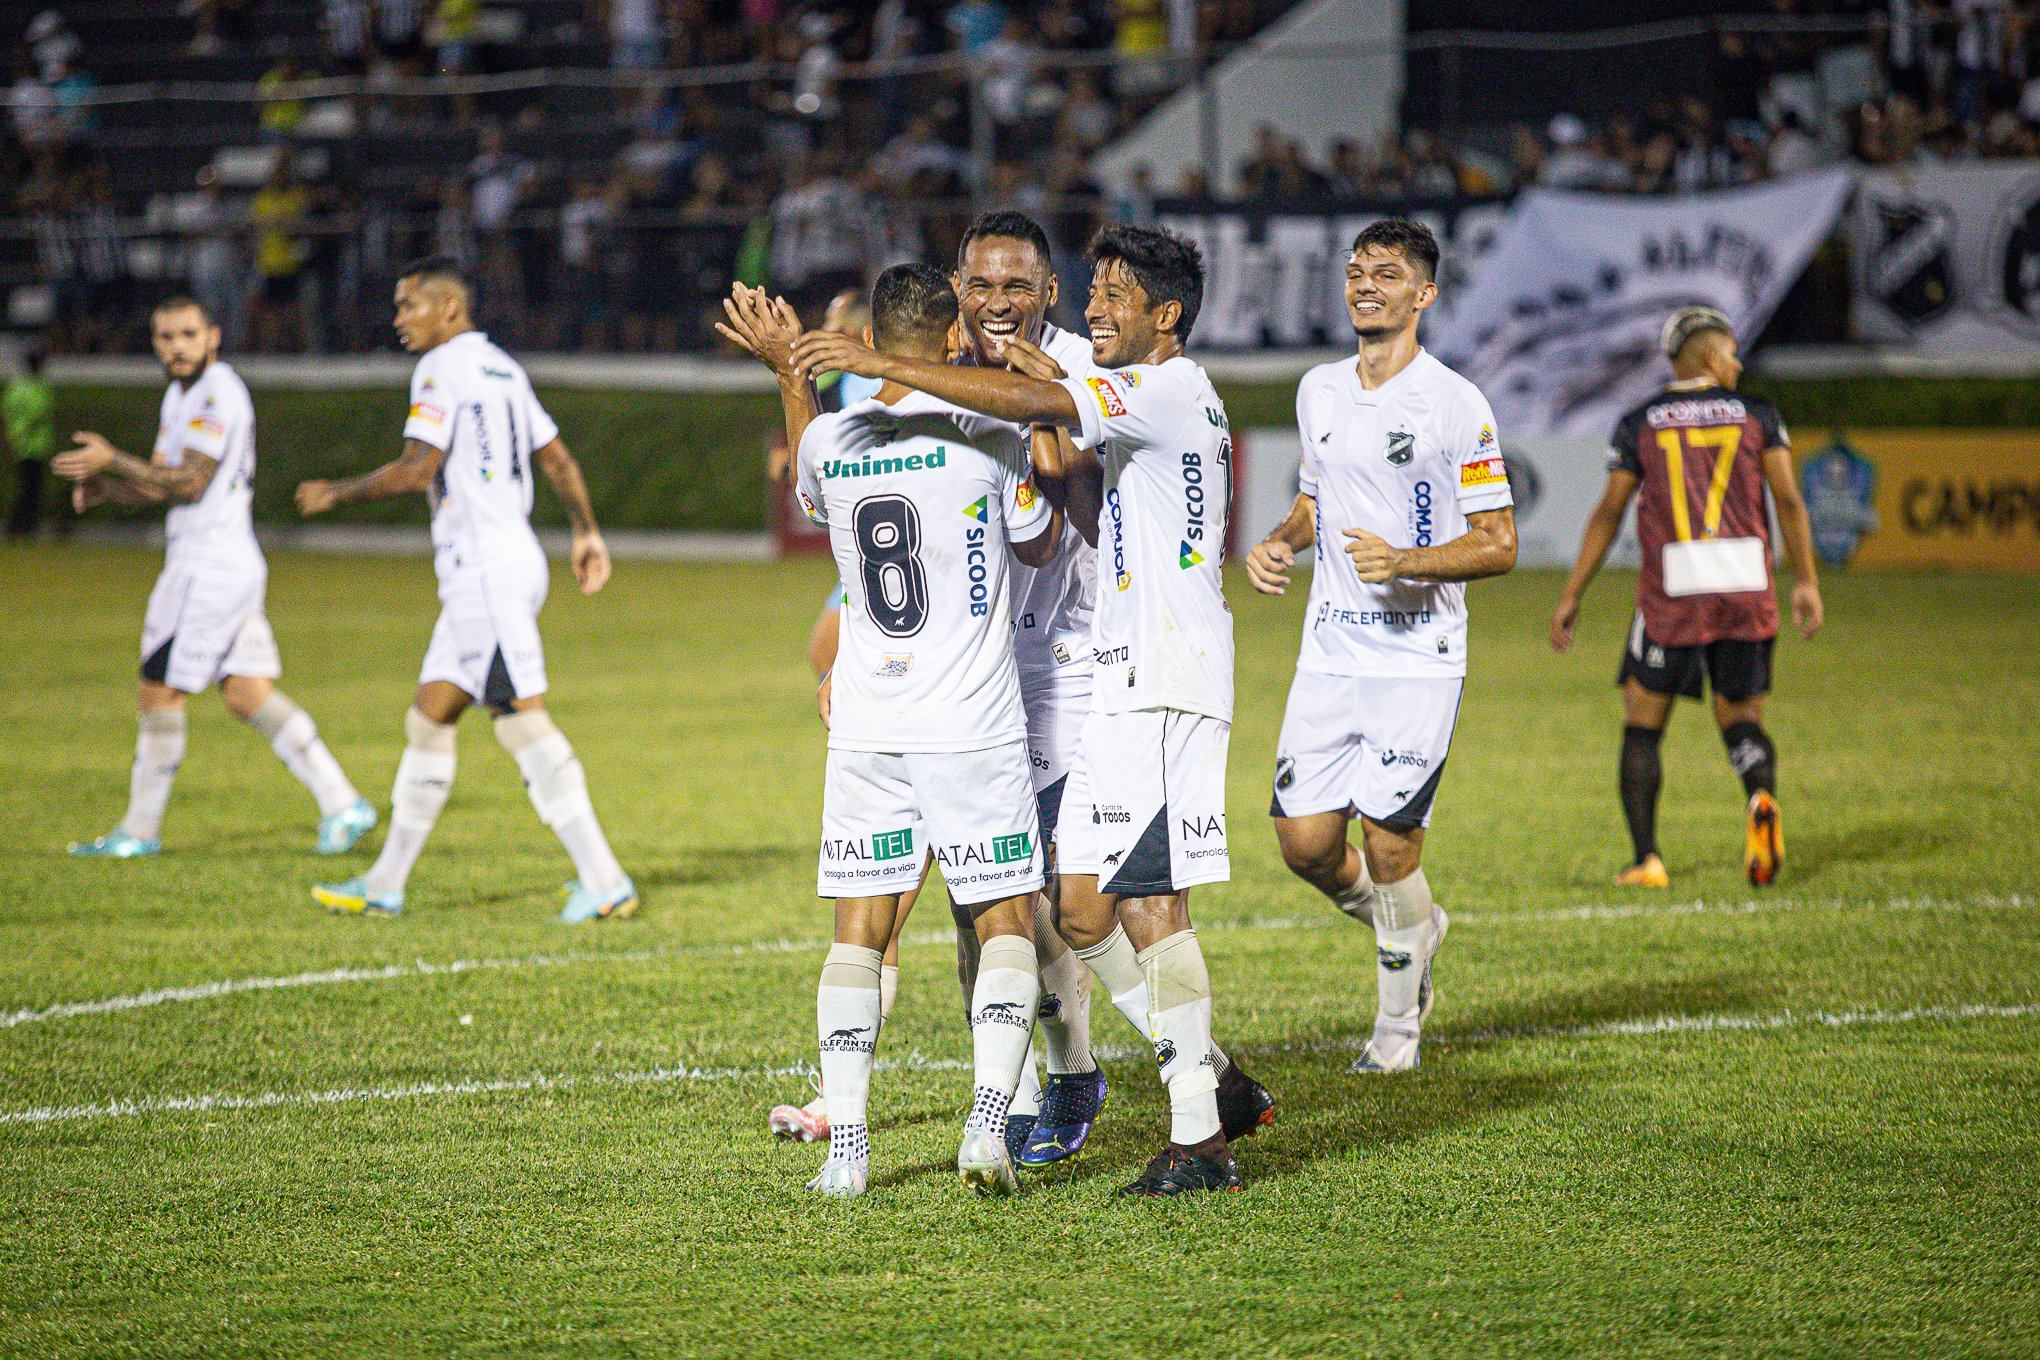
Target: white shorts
column 486, row 639
column 973, row 809
column 1057, row 702
column 1371, row 745
column 201, row 627
column 1157, row 786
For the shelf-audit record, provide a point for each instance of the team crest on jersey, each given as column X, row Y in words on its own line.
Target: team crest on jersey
column 1109, row 400
column 979, row 510
column 1487, row 437
column 1130, row 378
column 1402, row 446
column 1188, row 557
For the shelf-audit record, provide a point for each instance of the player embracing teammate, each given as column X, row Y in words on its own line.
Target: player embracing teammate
column 1404, row 496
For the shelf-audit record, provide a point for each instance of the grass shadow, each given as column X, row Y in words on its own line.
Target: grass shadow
column 1888, row 841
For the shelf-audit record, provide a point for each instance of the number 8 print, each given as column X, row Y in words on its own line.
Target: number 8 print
column 888, row 531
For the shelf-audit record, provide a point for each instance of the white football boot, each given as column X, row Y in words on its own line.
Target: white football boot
column 841, row 1178
column 985, row 1164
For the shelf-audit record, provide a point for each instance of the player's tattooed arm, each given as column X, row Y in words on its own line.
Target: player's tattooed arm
column 410, row 472
column 1487, row 548
column 1269, row 561
column 93, row 460
column 1808, row 610
column 997, row 392
column 1604, row 523
column 589, row 554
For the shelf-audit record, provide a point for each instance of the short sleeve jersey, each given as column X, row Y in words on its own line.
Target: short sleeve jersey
column 1052, row 605
column 921, row 500
column 214, row 417
column 1408, row 462
column 1162, row 634
column 475, row 402
column 1698, row 456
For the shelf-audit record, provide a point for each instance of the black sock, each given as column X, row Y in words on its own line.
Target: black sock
column 1642, row 773
column 1753, row 756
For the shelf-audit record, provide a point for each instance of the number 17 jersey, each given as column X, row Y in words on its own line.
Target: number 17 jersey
column 921, row 499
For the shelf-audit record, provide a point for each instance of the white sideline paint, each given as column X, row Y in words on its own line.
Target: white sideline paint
column 206, row 991
column 916, row 1062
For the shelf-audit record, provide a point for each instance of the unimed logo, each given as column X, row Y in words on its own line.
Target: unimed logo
column 893, row 844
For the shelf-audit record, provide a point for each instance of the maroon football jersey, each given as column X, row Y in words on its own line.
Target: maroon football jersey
column 1699, row 454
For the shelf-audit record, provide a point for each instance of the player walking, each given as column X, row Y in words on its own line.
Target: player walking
column 475, row 433
column 1401, row 461
column 1155, row 742
column 927, row 739
column 1698, row 457
column 204, row 623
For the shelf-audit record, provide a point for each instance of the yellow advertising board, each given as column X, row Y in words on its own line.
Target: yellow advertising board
column 1963, row 500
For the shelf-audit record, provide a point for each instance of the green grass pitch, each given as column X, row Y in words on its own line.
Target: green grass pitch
column 1802, row 1121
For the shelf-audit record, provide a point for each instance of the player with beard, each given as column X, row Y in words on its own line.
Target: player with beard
column 1402, row 470
column 1155, row 741
column 205, row 623
column 1005, row 285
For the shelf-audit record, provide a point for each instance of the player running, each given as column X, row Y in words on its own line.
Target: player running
column 1402, row 472
column 204, row 623
column 927, row 739
column 1155, row 742
column 1698, row 457
column 475, row 434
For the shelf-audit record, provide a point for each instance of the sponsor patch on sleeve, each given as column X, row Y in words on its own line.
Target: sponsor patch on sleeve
column 1023, row 495
column 208, row 425
column 426, row 411
column 1109, row 400
column 1482, row 472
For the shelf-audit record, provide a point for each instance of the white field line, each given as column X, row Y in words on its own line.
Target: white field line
column 206, row 991
column 917, row 1062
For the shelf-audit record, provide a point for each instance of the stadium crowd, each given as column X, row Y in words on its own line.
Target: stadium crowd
column 610, row 214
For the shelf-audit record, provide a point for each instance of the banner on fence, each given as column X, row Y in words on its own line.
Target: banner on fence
column 1559, row 327
column 1947, row 259
column 1962, row 500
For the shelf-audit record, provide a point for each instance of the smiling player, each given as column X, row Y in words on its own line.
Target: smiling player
column 1402, row 470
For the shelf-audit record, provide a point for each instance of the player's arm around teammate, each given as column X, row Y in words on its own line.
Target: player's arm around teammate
column 1398, row 450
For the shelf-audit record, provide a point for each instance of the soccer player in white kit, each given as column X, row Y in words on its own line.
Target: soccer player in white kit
column 1155, row 742
column 1402, row 470
column 927, row 738
column 475, row 435
column 204, row 623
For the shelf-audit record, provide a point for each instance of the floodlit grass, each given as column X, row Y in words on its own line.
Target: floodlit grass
column 1715, row 1121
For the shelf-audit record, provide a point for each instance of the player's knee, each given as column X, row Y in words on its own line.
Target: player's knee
column 1392, row 857
column 426, row 734
column 246, row 697
column 1085, row 921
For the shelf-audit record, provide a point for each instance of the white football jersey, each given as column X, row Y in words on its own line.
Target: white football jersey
column 1408, row 461
column 921, row 499
column 214, row 417
column 1162, row 634
column 475, row 402
column 1052, row 604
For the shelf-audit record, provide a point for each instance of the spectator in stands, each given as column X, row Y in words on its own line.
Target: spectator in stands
column 820, row 223
column 51, row 43
column 278, row 214
column 1261, row 172
column 1572, row 163
column 973, row 23
column 32, row 109
column 586, row 221
column 1136, row 202
column 1086, row 120
column 400, row 28
column 1140, row 41
column 918, row 151
column 634, row 36
column 346, row 25
column 213, row 266
column 281, row 115
column 73, row 88
column 1791, row 149
column 28, row 408
column 453, row 34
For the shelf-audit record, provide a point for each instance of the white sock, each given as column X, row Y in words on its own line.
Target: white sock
column 159, row 750
column 1001, row 1027
column 1027, row 1095
column 1179, row 991
column 1404, row 922
column 888, row 990
column 559, row 791
column 424, row 779
column 1116, row 964
column 295, row 738
column 846, row 1027
column 1357, row 901
column 1065, row 1010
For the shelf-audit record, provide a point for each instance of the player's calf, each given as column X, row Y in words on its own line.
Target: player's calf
column 344, row 815
column 1409, row 930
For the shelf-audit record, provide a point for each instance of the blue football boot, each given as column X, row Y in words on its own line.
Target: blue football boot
column 356, row 898
column 116, row 844
column 1070, row 1103
column 583, row 905
column 339, row 832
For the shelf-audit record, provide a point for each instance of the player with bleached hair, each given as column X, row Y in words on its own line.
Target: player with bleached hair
column 205, row 623
column 1404, row 495
column 474, row 440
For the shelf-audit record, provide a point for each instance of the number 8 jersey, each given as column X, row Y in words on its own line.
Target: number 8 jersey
column 921, row 500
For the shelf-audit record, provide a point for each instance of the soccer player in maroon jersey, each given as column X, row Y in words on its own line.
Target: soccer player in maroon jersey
column 1698, row 457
